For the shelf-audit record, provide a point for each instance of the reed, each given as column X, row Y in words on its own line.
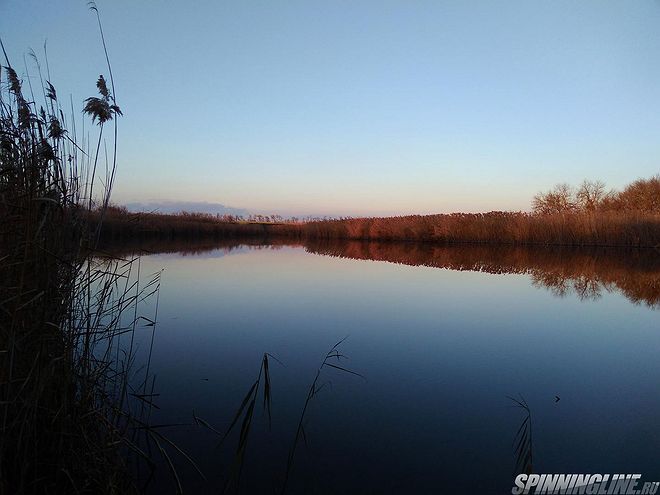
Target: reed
column 122, row 226
column 605, row 228
column 522, row 441
column 333, row 355
column 246, row 412
column 262, row 386
column 564, row 216
column 68, row 396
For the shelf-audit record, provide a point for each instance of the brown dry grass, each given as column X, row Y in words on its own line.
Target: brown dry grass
column 601, row 228
column 605, row 228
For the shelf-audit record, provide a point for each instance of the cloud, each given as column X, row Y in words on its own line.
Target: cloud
column 191, row 206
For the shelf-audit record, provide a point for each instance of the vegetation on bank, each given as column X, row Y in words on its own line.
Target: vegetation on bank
column 631, row 229
column 584, row 216
column 65, row 316
column 120, row 225
column 71, row 406
column 567, row 216
column 643, row 195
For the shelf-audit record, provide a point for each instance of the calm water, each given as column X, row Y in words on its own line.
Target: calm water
column 441, row 336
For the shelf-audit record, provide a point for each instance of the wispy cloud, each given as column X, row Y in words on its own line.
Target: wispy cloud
column 192, row 206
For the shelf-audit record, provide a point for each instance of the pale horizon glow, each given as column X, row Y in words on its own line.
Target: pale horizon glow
column 361, row 108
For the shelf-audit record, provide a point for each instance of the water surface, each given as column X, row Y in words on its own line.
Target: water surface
column 441, row 336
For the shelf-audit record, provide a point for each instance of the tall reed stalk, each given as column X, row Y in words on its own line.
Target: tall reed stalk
column 67, row 393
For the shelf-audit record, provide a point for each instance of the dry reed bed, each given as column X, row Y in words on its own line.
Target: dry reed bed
column 65, row 317
column 599, row 228
column 629, row 229
column 119, row 226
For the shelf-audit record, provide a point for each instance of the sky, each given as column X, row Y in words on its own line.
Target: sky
column 361, row 107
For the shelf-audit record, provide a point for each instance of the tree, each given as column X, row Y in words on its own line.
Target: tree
column 590, row 195
column 643, row 194
column 560, row 199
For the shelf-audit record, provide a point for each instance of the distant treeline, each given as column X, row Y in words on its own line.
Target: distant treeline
column 643, row 195
column 120, row 225
column 587, row 215
column 633, row 229
column 582, row 216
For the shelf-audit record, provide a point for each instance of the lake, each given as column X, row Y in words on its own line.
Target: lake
column 441, row 338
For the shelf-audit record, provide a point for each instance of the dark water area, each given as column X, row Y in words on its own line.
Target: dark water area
column 441, row 337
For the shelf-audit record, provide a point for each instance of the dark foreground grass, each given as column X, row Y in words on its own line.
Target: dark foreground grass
column 67, row 318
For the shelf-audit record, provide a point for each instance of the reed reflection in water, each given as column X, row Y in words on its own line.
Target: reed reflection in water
column 586, row 273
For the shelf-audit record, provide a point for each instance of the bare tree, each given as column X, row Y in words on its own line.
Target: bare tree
column 642, row 195
column 590, row 195
column 561, row 199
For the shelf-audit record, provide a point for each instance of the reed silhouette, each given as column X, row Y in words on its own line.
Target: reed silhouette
column 522, row 441
column 70, row 398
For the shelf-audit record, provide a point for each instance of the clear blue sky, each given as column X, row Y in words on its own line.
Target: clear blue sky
column 360, row 107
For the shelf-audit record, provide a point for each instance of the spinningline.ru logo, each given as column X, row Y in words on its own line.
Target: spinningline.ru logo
column 589, row 484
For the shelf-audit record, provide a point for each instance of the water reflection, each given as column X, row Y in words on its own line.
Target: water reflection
column 585, row 273
column 441, row 349
column 183, row 247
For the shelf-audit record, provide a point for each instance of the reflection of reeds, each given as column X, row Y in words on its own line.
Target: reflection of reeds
column 191, row 247
column 522, row 441
column 585, row 272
